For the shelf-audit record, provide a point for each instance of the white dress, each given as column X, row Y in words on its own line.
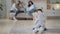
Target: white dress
column 39, row 21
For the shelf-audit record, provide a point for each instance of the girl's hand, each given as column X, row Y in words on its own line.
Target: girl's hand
column 16, row 9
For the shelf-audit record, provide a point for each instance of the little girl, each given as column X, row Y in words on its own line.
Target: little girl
column 39, row 20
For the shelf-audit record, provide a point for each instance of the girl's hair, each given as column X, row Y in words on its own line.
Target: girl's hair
column 39, row 10
column 29, row 3
column 19, row 1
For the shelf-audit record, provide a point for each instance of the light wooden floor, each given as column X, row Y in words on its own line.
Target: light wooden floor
column 25, row 26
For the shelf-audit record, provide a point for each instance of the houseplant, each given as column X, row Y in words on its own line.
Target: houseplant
column 1, row 7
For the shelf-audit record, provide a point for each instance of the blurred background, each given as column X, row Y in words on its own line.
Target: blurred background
column 51, row 9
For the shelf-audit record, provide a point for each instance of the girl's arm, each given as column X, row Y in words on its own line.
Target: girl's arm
column 31, row 8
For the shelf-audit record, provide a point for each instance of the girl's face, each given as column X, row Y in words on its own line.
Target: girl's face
column 39, row 12
column 18, row 3
column 30, row 3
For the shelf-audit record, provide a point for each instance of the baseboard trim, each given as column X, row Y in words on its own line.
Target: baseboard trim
column 53, row 17
column 48, row 17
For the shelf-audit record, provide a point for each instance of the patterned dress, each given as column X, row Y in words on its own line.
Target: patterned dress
column 39, row 20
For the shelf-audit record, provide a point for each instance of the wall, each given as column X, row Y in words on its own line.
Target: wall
column 42, row 4
column 8, row 7
column 3, row 13
column 53, row 12
column 48, row 12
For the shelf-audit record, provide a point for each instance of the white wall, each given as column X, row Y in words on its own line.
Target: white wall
column 47, row 12
column 3, row 13
column 43, row 5
column 38, row 5
column 53, row 12
column 8, row 7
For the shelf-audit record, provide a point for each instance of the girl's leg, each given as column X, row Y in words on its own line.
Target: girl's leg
column 36, row 31
column 41, row 30
column 25, row 11
column 43, row 25
column 32, row 11
column 14, row 16
column 36, row 28
column 28, row 13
